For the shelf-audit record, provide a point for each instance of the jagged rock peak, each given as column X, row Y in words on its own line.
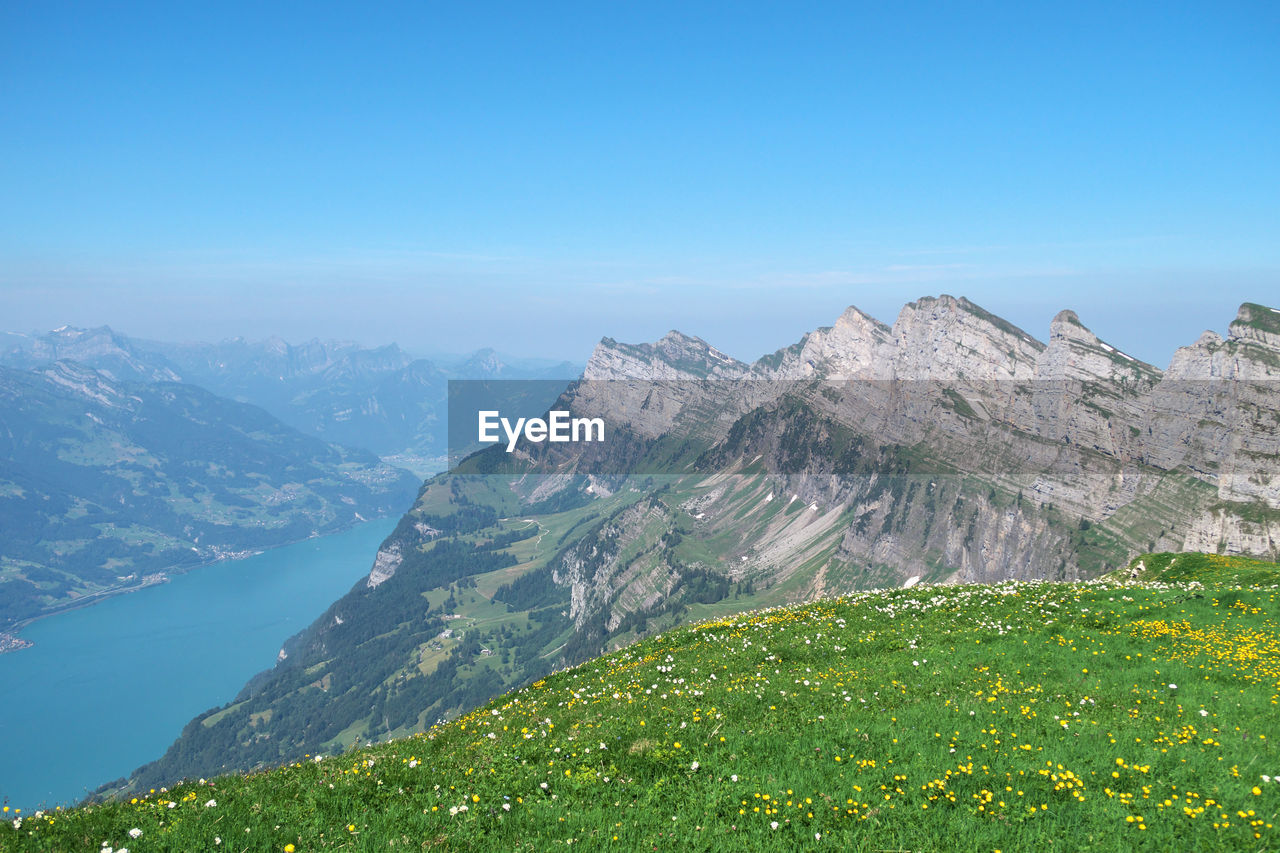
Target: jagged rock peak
column 946, row 338
column 858, row 346
column 674, row 356
column 1258, row 324
column 1075, row 352
column 855, row 317
column 1208, row 338
column 1249, row 351
column 1066, row 317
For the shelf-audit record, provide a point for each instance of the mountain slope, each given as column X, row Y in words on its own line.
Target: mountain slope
column 1117, row 715
column 103, row 483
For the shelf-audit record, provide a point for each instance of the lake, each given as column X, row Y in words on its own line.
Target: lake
column 109, row 687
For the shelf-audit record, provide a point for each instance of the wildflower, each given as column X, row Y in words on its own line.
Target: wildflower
column 693, row 766
column 135, row 833
column 733, row 778
column 288, row 848
column 773, row 824
column 210, row 804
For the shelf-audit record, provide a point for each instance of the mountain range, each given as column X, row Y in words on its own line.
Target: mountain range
column 950, row 446
column 380, row 399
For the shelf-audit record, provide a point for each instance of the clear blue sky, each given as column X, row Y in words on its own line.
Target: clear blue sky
column 535, row 175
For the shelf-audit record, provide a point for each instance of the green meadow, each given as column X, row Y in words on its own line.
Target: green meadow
column 1139, row 711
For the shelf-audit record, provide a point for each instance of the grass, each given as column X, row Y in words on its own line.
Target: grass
column 1108, row 715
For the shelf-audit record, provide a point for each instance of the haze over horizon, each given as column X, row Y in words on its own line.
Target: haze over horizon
column 532, row 179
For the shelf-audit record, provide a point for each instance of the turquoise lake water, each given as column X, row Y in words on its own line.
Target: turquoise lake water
column 108, row 688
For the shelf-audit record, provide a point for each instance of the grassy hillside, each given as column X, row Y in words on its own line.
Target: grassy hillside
column 1109, row 715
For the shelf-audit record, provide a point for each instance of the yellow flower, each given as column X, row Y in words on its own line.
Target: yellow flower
column 288, row 848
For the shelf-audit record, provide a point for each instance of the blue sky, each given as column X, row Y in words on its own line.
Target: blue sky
column 533, row 176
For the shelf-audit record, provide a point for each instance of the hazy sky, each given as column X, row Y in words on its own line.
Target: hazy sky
column 533, row 176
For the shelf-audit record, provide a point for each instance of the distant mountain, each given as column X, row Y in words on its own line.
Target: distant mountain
column 114, row 355
column 950, row 446
column 103, row 481
column 490, row 364
column 380, row 399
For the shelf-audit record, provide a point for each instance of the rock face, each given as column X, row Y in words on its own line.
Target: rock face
column 1025, row 459
column 948, row 338
column 389, row 558
column 675, row 356
column 858, row 346
column 1076, row 353
column 1251, row 350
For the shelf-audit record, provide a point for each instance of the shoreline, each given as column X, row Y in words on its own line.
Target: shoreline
column 162, row 575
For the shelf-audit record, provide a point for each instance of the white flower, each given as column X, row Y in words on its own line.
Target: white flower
column 1203, row 712
column 210, row 804
column 733, row 778
column 693, row 766
column 506, row 807
column 817, row 836
column 135, row 832
column 773, row 824
column 413, row 764
column 217, row 840
column 1173, row 687
column 543, row 786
